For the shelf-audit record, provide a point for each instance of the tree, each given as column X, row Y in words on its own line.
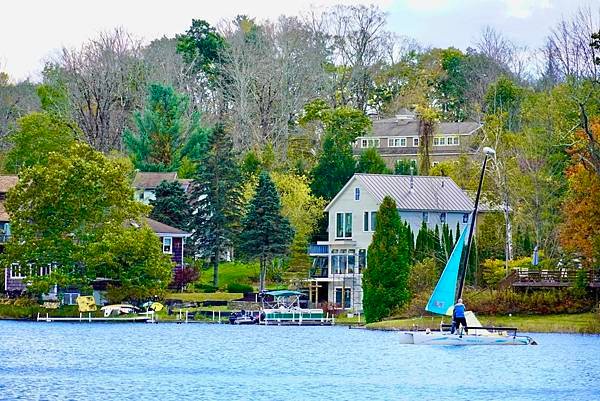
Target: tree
column 266, row 233
column 164, row 135
column 201, row 47
column 216, row 200
column 334, row 168
column 70, row 213
column 427, row 121
column 38, row 135
column 405, row 167
column 170, row 206
column 385, row 280
column 104, row 82
column 16, row 100
column 371, row 162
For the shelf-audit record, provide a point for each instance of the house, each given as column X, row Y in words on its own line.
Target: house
column 398, row 139
column 171, row 238
column 145, row 184
column 6, row 183
column 338, row 263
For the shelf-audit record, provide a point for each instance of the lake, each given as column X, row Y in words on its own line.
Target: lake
column 75, row 361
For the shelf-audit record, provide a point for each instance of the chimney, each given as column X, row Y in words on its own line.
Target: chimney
column 411, row 179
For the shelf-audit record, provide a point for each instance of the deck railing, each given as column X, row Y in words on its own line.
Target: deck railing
column 527, row 277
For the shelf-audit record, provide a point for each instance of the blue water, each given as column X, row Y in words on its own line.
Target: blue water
column 62, row 361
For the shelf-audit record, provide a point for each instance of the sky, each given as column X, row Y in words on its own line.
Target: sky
column 33, row 31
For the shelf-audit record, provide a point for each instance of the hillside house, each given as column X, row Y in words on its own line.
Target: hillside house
column 171, row 238
column 338, row 263
column 145, row 184
column 398, row 139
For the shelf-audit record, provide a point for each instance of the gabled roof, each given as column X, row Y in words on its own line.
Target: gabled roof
column 159, row 228
column 427, row 193
column 145, row 180
column 393, row 127
column 7, row 182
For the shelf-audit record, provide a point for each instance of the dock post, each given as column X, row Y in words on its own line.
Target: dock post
column 213, row 312
column 219, row 317
column 47, row 317
column 90, row 317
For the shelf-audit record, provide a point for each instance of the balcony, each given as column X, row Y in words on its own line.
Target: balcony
column 314, row 249
column 318, row 272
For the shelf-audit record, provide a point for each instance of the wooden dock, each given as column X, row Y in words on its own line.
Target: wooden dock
column 561, row 278
column 90, row 319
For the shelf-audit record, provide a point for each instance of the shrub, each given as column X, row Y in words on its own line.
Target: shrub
column 239, row 288
column 423, row 276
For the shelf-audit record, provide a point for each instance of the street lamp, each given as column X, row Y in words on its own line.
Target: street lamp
column 488, row 152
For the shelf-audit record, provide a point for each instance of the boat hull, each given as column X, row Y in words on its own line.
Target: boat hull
column 444, row 338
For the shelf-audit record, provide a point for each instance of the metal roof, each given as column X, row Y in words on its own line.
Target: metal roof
column 427, row 193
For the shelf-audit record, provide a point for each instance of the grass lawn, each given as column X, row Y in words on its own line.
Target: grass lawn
column 233, row 272
column 576, row 323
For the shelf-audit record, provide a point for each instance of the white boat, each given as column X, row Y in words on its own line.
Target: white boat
column 449, row 289
column 285, row 309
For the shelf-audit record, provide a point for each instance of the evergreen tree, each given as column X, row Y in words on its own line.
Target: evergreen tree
column 438, row 249
column 164, row 135
column 422, row 246
column 403, row 167
column 447, row 242
column 266, row 234
column 371, row 162
column 385, row 281
column 457, row 233
column 334, row 168
column 216, row 198
column 170, row 206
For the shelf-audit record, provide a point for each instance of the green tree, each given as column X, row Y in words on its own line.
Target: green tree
column 70, row 213
column 266, row 233
column 403, row 167
column 333, row 170
column 170, row 206
column 201, row 46
column 216, row 200
column 385, row 281
column 371, row 162
column 164, row 135
column 37, row 135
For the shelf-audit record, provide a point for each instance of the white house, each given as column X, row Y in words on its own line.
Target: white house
column 338, row 263
column 145, row 184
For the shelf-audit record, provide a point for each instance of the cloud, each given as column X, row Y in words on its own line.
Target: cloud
column 524, row 8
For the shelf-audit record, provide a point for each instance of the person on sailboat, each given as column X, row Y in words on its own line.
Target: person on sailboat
column 458, row 317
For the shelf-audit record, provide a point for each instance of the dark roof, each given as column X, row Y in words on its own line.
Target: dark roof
column 393, row 127
column 7, row 182
column 144, row 180
column 428, row 193
column 159, row 228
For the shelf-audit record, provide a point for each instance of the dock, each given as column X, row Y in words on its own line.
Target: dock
column 90, row 319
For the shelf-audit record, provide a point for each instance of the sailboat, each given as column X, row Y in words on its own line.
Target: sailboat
column 449, row 289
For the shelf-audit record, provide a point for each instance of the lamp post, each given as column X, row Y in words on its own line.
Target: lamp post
column 488, row 152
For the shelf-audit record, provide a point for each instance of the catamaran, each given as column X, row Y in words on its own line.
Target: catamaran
column 449, row 289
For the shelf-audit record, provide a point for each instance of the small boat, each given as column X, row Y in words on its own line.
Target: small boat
column 119, row 309
column 243, row 317
column 449, row 289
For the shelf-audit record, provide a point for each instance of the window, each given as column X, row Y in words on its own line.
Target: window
column 369, row 143
column 415, row 142
column 344, row 261
column 343, row 225
column 45, row 270
column 351, row 261
column 425, row 216
column 362, row 260
column 396, row 142
column 440, row 141
column 15, row 271
column 70, row 298
column 452, row 140
column 369, row 220
column 343, row 297
column 356, row 194
column 167, row 245
column 465, row 217
column 443, row 217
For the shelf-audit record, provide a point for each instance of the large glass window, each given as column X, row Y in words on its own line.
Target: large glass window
column 373, row 220
column 339, row 259
column 343, row 297
column 167, row 245
column 356, row 194
column 362, row 260
column 369, row 221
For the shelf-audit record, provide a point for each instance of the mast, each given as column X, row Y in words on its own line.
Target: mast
column 465, row 265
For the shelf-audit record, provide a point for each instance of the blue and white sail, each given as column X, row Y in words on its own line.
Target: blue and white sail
column 442, row 299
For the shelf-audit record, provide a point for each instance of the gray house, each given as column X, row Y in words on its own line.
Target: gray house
column 145, row 184
column 338, row 263
column 398, row 139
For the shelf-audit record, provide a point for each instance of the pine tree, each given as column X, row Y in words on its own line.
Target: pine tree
column 422, row 247
column 164, row 136
column 457, row 233
column 170, row 206
column 447, row 241
column 385, row 280
column 266, row 234
column 216, row 199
